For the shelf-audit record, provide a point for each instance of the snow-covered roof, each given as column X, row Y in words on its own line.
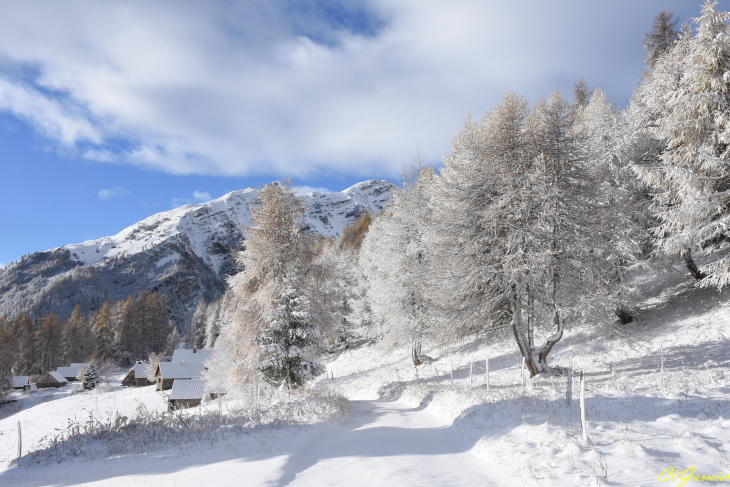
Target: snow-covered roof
column 20, row 381
column 140, row 371
column 58, row 376
column 69, row 371
column 187, row 389
column 185, row 354
column 179, row 370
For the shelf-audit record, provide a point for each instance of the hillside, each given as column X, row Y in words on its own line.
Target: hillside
column 411, row 427
column 183, row 253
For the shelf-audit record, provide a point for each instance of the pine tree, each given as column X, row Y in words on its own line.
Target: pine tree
column 91, row 376
column 284, row 342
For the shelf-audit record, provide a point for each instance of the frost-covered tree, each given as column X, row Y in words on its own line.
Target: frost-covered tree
column 686, row 99
column 91, row 376
column 195, row 336
column 273, row 243
column 213, row 322
column 523, row 239
column 285, row 341
column 662, row 37
column 581, row 92
column 395, row 261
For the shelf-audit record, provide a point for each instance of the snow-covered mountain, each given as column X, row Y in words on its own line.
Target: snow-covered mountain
column 183, row 253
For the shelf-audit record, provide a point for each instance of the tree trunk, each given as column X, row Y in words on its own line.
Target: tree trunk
column 693, row 269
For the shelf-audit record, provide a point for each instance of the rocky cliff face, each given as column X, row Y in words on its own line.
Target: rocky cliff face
column 184, row 253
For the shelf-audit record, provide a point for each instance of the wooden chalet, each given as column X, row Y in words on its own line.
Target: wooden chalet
column 137, row 376
column 20, row 381
column 168, row 372
column 186, row 393
column 51, row 379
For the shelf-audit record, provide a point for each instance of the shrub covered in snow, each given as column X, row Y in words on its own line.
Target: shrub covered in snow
column 148, row 432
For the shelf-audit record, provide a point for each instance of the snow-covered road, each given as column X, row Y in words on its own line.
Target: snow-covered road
column 383, row 443
column 378, row 443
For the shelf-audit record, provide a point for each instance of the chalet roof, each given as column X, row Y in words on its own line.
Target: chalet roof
column 185, row 354
column 187, row 389
column 20, row 381
column 180, row 370
column 140, row 371
column 55, row 375
column 69, row 371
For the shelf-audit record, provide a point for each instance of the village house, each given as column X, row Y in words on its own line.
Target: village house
column 137, row 376
column 20, row 381
column 51, row 379
column 167, row 372
column 186, row 393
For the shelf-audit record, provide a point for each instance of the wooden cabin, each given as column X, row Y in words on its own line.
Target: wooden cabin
column 168, row 372
column 51, row 379
column 137, row 376
column 20, row 381
column 186, row 393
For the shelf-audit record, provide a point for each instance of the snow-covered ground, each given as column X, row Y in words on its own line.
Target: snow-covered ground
column 413, row 427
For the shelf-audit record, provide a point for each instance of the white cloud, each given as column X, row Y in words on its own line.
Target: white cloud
column 106, row 194
column 201, row 195
column 252, row 88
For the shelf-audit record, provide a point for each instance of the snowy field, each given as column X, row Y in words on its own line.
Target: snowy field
column 416, row 427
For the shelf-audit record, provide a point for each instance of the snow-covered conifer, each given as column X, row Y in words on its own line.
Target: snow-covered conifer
column 91, row 376
column 287, row 338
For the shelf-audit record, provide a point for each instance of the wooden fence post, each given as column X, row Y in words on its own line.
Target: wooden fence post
column 452, row 374
column 486, row 364
column 522, row 375
column 569, row 389
column 583, row 425
column 20, row 442
column 471, row 370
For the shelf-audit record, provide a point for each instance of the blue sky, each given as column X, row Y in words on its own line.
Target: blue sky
column 112, row 112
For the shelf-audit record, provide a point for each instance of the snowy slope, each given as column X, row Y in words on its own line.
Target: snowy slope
column 411, row 427
column 184, row 253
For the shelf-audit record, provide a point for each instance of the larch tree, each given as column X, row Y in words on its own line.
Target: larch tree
column 273, row 243
column 103, row 332
column 662, row 37
column 690, row 183
column 49, row 342
column 77, row 342
column 524, row 240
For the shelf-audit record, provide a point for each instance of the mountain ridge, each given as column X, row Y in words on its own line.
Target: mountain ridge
column 184, row 253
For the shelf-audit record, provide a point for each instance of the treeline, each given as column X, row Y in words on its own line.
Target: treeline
column 123, row 332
